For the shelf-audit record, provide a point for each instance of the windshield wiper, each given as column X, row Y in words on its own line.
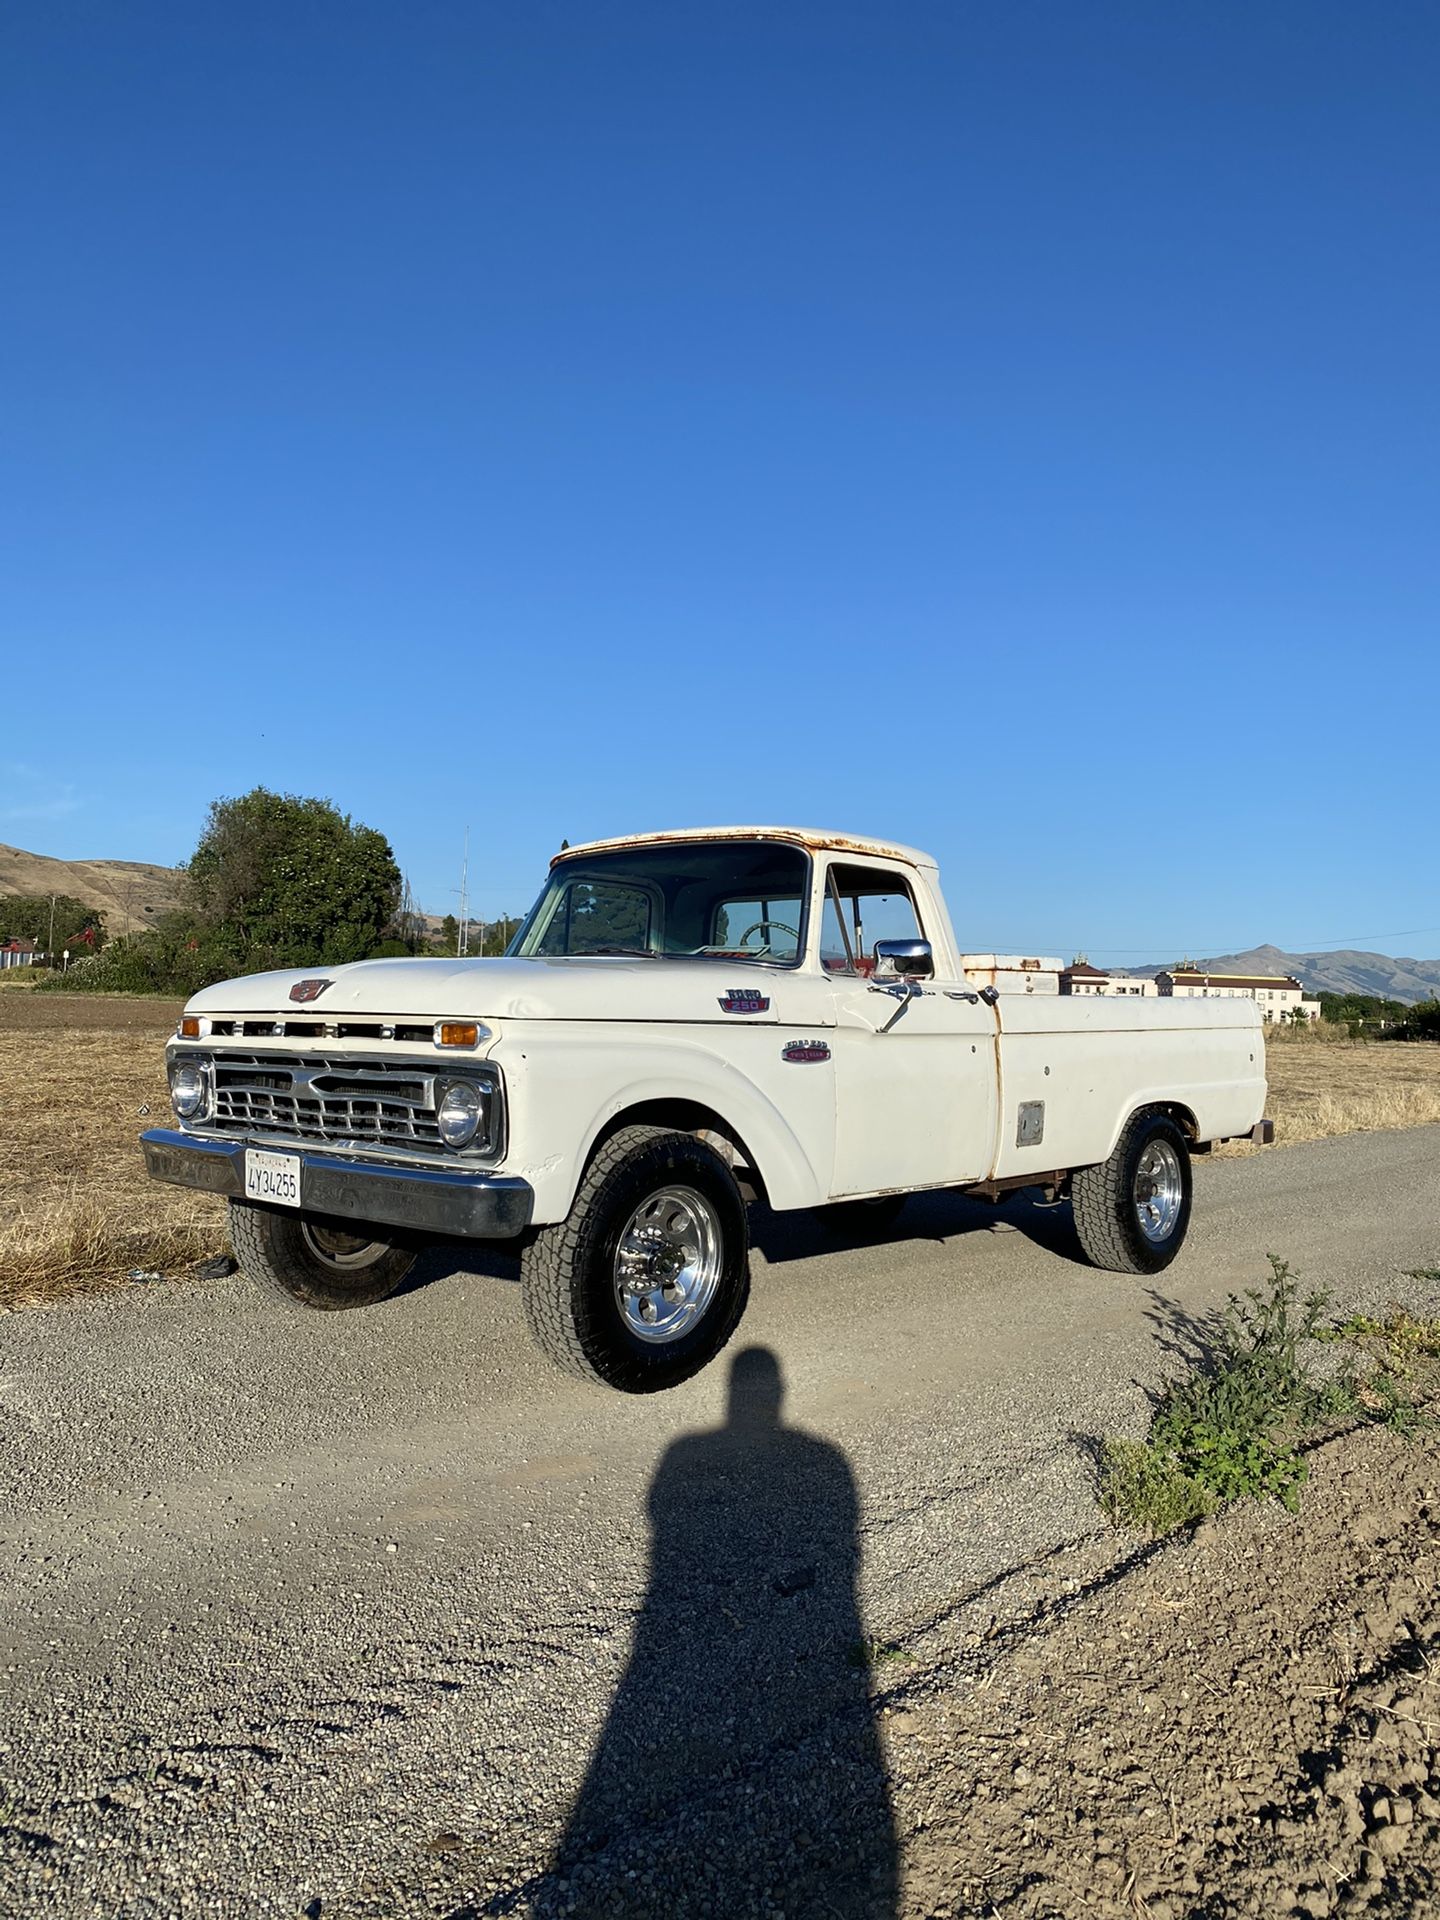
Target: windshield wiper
column 628, row 953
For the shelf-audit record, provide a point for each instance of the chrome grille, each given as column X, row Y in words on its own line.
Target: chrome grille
column 388, row 1104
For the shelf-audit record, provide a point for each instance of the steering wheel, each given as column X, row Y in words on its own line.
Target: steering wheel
column 756, row 925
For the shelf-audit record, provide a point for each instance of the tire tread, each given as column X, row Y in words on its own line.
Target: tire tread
column 278, row 1265
column 552, row 1265
column 1101, row 1202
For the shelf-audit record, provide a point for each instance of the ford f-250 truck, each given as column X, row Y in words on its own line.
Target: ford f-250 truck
column 683, row 1019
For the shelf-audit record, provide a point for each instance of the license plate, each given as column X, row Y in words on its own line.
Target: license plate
column 272, row 1177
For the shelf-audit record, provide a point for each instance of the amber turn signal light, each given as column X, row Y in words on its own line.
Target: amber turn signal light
column 456, row 1033
column 190, row 1027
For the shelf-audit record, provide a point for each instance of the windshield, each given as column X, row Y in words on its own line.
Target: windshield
column 718, row 899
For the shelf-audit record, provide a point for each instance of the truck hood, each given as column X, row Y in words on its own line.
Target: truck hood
column 591, row 987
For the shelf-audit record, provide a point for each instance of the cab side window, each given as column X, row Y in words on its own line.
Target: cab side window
column 873, row 905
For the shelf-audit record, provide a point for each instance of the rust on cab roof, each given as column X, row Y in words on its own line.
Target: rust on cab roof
column 813, row 839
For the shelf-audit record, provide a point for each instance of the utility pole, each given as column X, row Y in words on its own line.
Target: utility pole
column 50, row 943
column 462, row 945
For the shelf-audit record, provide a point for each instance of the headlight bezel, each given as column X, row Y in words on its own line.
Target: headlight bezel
column 199, row 1069
column 476, row 1097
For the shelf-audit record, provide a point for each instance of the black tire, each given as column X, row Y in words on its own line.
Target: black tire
column 313, row 1261
column 1110, row 1204
column 568, row 1273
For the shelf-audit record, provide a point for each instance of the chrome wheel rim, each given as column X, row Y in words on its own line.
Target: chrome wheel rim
column 343, row 1252
column 667, row 1264
column 1159, row 1190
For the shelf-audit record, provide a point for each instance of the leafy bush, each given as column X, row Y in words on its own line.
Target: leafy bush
column 1142, row 1486
column 1359, row 1013
column 179, row 956
column 1231, row 1429
column 1420, row 1022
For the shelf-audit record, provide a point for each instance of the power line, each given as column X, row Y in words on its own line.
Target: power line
column 1229, row 946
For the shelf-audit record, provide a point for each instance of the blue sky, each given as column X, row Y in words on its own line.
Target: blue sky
column 1010, row 429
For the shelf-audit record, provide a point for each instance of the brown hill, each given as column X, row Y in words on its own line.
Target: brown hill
column 130, row 893
column 1344, row 971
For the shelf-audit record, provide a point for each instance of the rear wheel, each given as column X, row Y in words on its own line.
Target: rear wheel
column 321, row 1263
column 646, row 1279
column 1133, row 1210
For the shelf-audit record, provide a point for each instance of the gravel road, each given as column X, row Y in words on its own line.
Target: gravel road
column 348, row 1615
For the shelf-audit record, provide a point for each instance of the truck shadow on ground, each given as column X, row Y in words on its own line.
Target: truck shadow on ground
column 936, row 1217
column 739, row 1769
column 780, row 1237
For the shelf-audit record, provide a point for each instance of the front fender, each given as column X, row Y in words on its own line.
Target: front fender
column 567, row 1083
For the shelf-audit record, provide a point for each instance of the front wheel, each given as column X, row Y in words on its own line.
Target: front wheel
column 647, row 1278
column 1132, row 1211
column 314, row 1261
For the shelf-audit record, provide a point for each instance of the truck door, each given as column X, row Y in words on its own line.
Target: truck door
column 915, row 1073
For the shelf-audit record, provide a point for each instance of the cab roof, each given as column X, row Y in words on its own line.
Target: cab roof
column 813, row 839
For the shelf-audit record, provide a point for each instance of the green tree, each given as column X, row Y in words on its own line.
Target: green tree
column 282, row 881
column 449, row 934
column 30, row 916
column 1421, row 1022
column 1362, row 1013
column 499, row 933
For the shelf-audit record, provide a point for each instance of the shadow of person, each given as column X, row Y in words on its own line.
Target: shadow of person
column 739, row 1770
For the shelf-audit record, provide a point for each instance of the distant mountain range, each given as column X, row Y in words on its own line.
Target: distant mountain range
column 130, row 893
column 1344, row 972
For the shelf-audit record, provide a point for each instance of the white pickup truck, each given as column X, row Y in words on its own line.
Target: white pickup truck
column 684, row 1020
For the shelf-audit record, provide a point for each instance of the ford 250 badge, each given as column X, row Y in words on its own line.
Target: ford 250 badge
column 744, row 1000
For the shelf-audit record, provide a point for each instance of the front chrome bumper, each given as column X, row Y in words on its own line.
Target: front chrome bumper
column 473, row 1206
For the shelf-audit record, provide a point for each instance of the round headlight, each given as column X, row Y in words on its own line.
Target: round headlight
column 460, row 1114
column 187, row 1088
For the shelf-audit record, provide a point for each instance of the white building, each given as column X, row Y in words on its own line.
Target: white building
column 1081, row 977
column 1279, row 994
column 18, row 953
column 1012, row 972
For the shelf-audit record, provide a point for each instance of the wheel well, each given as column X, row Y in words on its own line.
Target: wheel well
column 689, row 1116
column 1182, row 1116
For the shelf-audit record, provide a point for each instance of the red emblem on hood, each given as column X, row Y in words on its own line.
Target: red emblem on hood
column 309, row 989
column 805, row 1053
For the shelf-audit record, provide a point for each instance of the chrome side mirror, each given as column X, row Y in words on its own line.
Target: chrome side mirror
column 911, row 959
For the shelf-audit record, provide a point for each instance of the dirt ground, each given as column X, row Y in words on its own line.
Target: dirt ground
column 1245, row 1721
column 1242, row 1721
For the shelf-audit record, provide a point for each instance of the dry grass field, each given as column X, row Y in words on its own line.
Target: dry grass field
column 82, row 1076
column 77, row 1073
column 1321, row 1085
